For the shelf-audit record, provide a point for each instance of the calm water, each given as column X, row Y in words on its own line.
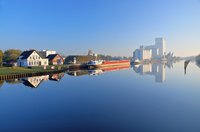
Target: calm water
column 158, row 98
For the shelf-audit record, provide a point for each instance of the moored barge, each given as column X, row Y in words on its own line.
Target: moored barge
column 111, row 63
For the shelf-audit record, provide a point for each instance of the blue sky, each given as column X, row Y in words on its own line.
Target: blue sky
column 115, row 27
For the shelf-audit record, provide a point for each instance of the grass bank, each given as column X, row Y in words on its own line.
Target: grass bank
column 23, row 70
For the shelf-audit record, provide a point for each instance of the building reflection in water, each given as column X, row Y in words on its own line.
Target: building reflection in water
column 56, row 77
column 35, row 81
column 158, row 70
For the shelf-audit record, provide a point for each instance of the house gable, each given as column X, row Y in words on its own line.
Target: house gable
column 55, row 59
column 34, row 56
column 24, row 55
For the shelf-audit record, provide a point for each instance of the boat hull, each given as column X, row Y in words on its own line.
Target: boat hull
column 110, row 64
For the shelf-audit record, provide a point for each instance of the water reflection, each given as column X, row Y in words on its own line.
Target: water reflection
column 81, row 100
column 35, row 81
column 77, row 73
column 197, row 59
column 13, row 81
column 187, row 62
column 186, row 65
column 56, row 77
column 1, row 83
column 96, row 72
column 198, row 63
column 158, row 70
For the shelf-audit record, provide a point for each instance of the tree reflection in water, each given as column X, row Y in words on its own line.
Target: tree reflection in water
column 1, row 83
column 198, row 61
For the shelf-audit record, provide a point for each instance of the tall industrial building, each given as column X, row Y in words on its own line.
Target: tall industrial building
column 156, row 51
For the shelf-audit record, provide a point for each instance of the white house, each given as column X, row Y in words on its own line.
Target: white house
column 156, row 51
column 32, row 58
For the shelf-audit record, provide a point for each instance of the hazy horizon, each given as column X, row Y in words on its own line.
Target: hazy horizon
column 111, row 27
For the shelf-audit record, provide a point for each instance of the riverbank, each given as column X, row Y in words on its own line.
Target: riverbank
column 25, row 70
column 7, row 73
column 22, row 72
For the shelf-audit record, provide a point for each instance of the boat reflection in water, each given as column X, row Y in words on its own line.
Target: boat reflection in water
column 158, row 70
column 96, row 72
column 77, row 72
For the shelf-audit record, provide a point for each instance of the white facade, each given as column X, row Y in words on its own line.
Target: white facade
column 34, row 59
column 48, row 52
column 156, row 51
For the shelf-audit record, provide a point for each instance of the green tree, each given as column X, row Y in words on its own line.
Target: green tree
column 1, row 58
column 11, row 55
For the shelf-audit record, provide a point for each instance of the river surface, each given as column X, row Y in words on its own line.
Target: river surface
column 145, row 98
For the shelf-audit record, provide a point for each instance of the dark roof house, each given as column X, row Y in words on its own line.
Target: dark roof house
column 55, row 59
column 32, row 58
